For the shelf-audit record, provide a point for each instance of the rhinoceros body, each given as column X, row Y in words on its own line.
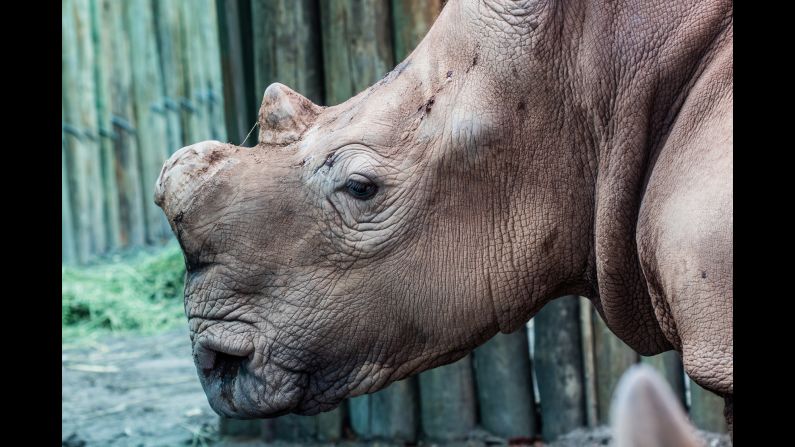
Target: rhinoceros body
column 524, row 151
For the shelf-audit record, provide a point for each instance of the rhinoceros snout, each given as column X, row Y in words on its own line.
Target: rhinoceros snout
column 186, row 171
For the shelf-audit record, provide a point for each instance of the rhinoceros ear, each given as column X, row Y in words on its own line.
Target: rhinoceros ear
column 284, row 115
column 645, row 412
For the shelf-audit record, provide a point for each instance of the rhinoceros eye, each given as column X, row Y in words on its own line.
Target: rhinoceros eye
column 360, row 187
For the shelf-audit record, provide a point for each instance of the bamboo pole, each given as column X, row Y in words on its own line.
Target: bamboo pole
column 669, row 365
column 359, row 416
column 612, row 358
column 234, row 25
column 215, row 87
column 447, row 401
column 149, row 110
column 329, row 425
column 559, row 367
column 296, row 428
column 199, row 65
column 394, row 412
column 166, row 14
column 238, row 68
column 323, row 427
column 68, row 254
column 706, row 409
column 505, row 386
column 190, row 58
column 76, row 151
column 102, row 50
column 87, row 122
column 238, row 427
column 127, row 169
column 357, row 46
column 287, row 46
column 589, row 364
column 390, row 414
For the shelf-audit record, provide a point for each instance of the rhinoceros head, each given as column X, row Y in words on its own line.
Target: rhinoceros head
column 358, row 244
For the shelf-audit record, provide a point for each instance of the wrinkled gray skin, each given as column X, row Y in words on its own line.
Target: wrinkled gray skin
column 525, row 150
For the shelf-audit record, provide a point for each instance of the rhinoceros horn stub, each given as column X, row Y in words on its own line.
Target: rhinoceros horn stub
column 284, row 115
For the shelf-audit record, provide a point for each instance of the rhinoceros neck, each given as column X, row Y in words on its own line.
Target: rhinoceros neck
column 635, row 69
column 593, row 91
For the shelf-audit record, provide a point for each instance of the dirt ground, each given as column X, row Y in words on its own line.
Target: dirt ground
column 143, row 391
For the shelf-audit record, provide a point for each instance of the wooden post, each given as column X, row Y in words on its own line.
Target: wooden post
column 287, row 46
column 359, row 416
column 150, row 112
column 394, row 412
column 323, row 427
column 389, row 414
column 110, row 205
column 215, row 88
column 127, row 169
column 505, row 385
column 240, row 99
column 706, row 409
column 166, row 14
column 447, row 401
column 189, row 52
column 200, row 64
column 87, row 122
column 589, row 364
column 411, row 20
column 238, row 427
column 559, row 368
column 67, row 224
column 80, row 124
column 669, row 365
column 329, row 425
column 612, row 357
column 357, row 49
column 76, row 150
column 295, row 428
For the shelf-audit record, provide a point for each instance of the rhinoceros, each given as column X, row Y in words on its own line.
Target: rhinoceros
column 525, row 150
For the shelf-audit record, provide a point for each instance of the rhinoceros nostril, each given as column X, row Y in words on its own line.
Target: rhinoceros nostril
column 226, row 366
column 221, row 364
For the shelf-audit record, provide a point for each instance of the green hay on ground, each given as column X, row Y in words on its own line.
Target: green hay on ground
column 136, row 292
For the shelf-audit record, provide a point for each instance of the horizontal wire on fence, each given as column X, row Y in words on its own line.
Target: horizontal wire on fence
column 109, row 134
column 90, row 134
column 157, row 108
column 170, row 104
column 76, row 132
column 72, row 130
column 212, row 97
column 187, row 104
column 119, row 121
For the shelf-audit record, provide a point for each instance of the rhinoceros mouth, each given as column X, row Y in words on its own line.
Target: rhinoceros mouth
column 233, row 390
column 240, row 384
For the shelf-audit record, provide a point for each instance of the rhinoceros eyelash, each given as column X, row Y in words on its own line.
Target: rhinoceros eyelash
column 360, row 190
